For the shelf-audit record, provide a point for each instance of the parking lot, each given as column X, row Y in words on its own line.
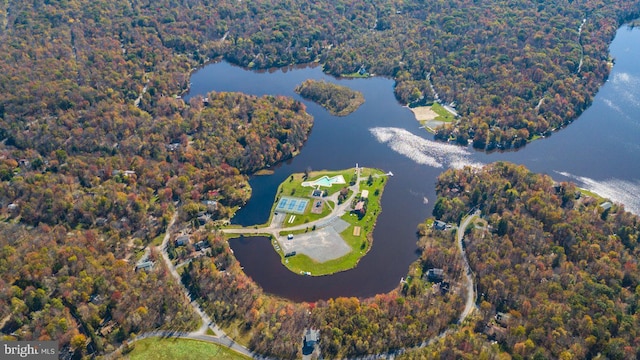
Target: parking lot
column 321, row 245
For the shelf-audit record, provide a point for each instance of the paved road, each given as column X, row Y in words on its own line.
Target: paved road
column 201, row 334
column 275, row 227
column 470, row 285
column 222, row 339
column 167, row 334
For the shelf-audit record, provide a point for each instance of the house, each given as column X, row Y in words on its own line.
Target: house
column 364, row 194
column 503, row 319
column 201, row 245
column 439, row 225
column 606, row 205
column 182, row 240
column 212, row 204
column 173, row 146
column 202, row 219
column 359, row 208
column 145, row 265
column 318, row 193
column 435, row 275
column 13, row 207
column 311, row 337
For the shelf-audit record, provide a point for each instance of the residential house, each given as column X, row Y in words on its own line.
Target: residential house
column 439, row 225
column 360, row 208
column 201, row 245
column 311, row 337
column 182, row 240
column 435, row 275
column 145, row 265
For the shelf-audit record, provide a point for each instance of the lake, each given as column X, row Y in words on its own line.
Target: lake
column 599, row 151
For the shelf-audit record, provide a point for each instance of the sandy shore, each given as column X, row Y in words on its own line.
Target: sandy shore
column 424, row 113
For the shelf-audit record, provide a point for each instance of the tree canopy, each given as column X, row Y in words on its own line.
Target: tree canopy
column 561, row 267
column 338, row 99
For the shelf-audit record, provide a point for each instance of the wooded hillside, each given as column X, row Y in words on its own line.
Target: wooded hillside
column 557, row 272
column 97, row 148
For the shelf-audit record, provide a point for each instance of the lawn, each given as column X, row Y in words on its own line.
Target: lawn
column 443, row 114
column 292, row 186
column 308, row 217
column 360, row 245
column 182, row 349
column 372, row 180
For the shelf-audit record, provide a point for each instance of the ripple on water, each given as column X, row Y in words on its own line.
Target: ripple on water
column 423, row 151
column 620, row 191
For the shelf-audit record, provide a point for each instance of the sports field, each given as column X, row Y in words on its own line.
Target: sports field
column 292, row 205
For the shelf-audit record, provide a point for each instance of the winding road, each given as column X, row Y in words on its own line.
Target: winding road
column 220, row 338
column 470, row 284
column 275, row 226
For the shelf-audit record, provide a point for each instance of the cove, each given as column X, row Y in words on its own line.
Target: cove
column 599, row 151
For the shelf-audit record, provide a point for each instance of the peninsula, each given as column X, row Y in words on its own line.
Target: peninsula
column 322, row 222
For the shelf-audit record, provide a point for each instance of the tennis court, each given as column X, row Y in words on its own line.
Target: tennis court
column 292, row 205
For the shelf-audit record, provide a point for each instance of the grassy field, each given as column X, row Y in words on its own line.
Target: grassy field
column 308, row 217
column 302, row 263
column 443, row 114
column 293, row 185
column 182, row 349
column 592, row 194
column 360, row 245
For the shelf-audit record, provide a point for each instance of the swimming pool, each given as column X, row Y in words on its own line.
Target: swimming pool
column 325, row 181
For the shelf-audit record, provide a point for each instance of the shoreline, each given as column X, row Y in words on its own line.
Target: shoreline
column 426, row 116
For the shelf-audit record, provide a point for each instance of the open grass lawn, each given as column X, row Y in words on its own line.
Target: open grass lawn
column 308, row 217
column 368, row 222
column 292, row 186
column 180, row 349
column 237, row 331
column 592, row 194
column 360, row 245
column 302, row 263
column 443, row 114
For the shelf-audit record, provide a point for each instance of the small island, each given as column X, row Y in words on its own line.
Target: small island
column 322, row 222
column 337, row 99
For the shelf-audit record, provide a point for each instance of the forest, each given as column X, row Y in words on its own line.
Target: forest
column 559, row 268
column 514, row 69
column 98, row 150
column 338, row 99
column 349, row 327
